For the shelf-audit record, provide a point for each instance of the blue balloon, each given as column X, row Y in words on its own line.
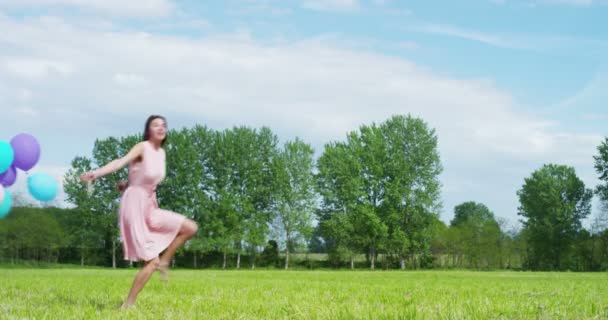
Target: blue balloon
column 7, row 155
column 5, row 206
column 42, row 186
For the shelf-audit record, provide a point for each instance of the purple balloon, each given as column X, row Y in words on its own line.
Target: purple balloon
column 8, row 178
column 27, row 151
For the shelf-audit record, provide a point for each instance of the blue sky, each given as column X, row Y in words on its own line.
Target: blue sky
column 509, row 85
column 541, row 52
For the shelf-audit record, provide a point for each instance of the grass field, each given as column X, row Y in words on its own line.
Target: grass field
column 211, row 294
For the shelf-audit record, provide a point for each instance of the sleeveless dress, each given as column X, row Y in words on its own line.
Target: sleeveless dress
column 146, row 230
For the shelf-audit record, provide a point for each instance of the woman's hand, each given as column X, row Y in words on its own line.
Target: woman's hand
column 122, row 185
column 88, row 176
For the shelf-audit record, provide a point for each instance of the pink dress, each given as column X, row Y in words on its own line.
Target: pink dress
column 145, row 229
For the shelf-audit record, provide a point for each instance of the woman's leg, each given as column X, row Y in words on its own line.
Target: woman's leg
column 187, row 231
column 140, row 281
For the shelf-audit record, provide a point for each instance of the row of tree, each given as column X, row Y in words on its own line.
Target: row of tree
column 238, row 184
column 472, row 240
column 376, row 194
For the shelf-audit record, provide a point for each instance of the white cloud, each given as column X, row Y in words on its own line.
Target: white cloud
column 408, row 45
column 331, row 5
column 380, row 2
column 588, row 97
column 138, row 8
column 35, row 68
column 24, row 94
column 568, row 2
column 536, row 3
column 472, row 35
column 543, row 43
column 397, row 12
column 313, row 89
column 129, row 80
column 264, row 7
column 28, row 112
column 595, row 116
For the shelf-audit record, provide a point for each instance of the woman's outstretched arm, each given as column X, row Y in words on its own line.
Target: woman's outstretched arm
column 115, row 165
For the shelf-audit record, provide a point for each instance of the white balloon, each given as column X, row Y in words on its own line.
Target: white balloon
column 1, row 193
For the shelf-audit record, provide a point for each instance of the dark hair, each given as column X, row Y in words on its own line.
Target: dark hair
column 147, row 127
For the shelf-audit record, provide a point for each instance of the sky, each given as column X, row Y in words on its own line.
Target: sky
column 507, row 85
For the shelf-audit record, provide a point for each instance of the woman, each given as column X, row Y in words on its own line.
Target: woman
column 148, row 233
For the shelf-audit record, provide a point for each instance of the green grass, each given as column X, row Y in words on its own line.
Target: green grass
column 212, row 294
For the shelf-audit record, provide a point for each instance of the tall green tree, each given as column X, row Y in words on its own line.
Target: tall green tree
column 295, row 195
column 106, row 191
column 553, row 201
column 601, row 167
column 201, row 142
column 186, row 186
column 412, row 201
column 85, row 230
column 369, row 148
column 384, row 180
column 473, row 212
column 340, row 186
column 260, row 189
column 221, row 219
column 481, row 238
column 241, row 189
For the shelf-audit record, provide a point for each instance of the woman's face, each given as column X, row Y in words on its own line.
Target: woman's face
column 157, row 129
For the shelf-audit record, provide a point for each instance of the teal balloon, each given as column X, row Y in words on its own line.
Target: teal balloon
column 5, row 206
column 7, row 155
column 42, row 186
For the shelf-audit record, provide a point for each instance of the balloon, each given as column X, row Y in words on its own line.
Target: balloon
column 7, row 156
column 5, row 205
column 27, row 151
column 1, row 193
column 42, row 186
column 8, row 178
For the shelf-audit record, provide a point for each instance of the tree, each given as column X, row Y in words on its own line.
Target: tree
column 368, row 147
column 338, row 231
column 186, row 187
column 32, row 234
column 260, row 188
column 471, row 212
column 339, row 184
column 600, row 222
column 439, row 243
column 201, row 140
column 351, row 182
column 270, row 255
column 411, row 185
column 383, row 185
column 251, row 186
column 241, row 186
column 84, row 229
column 221, row 218
column 481, row 237
column 316, row 243
column 106, row 192
column 601, row 167
column 295, row 195
column 553, row 201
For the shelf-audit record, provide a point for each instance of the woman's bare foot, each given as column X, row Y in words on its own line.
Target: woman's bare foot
column 163, row 269
column 127, row 306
